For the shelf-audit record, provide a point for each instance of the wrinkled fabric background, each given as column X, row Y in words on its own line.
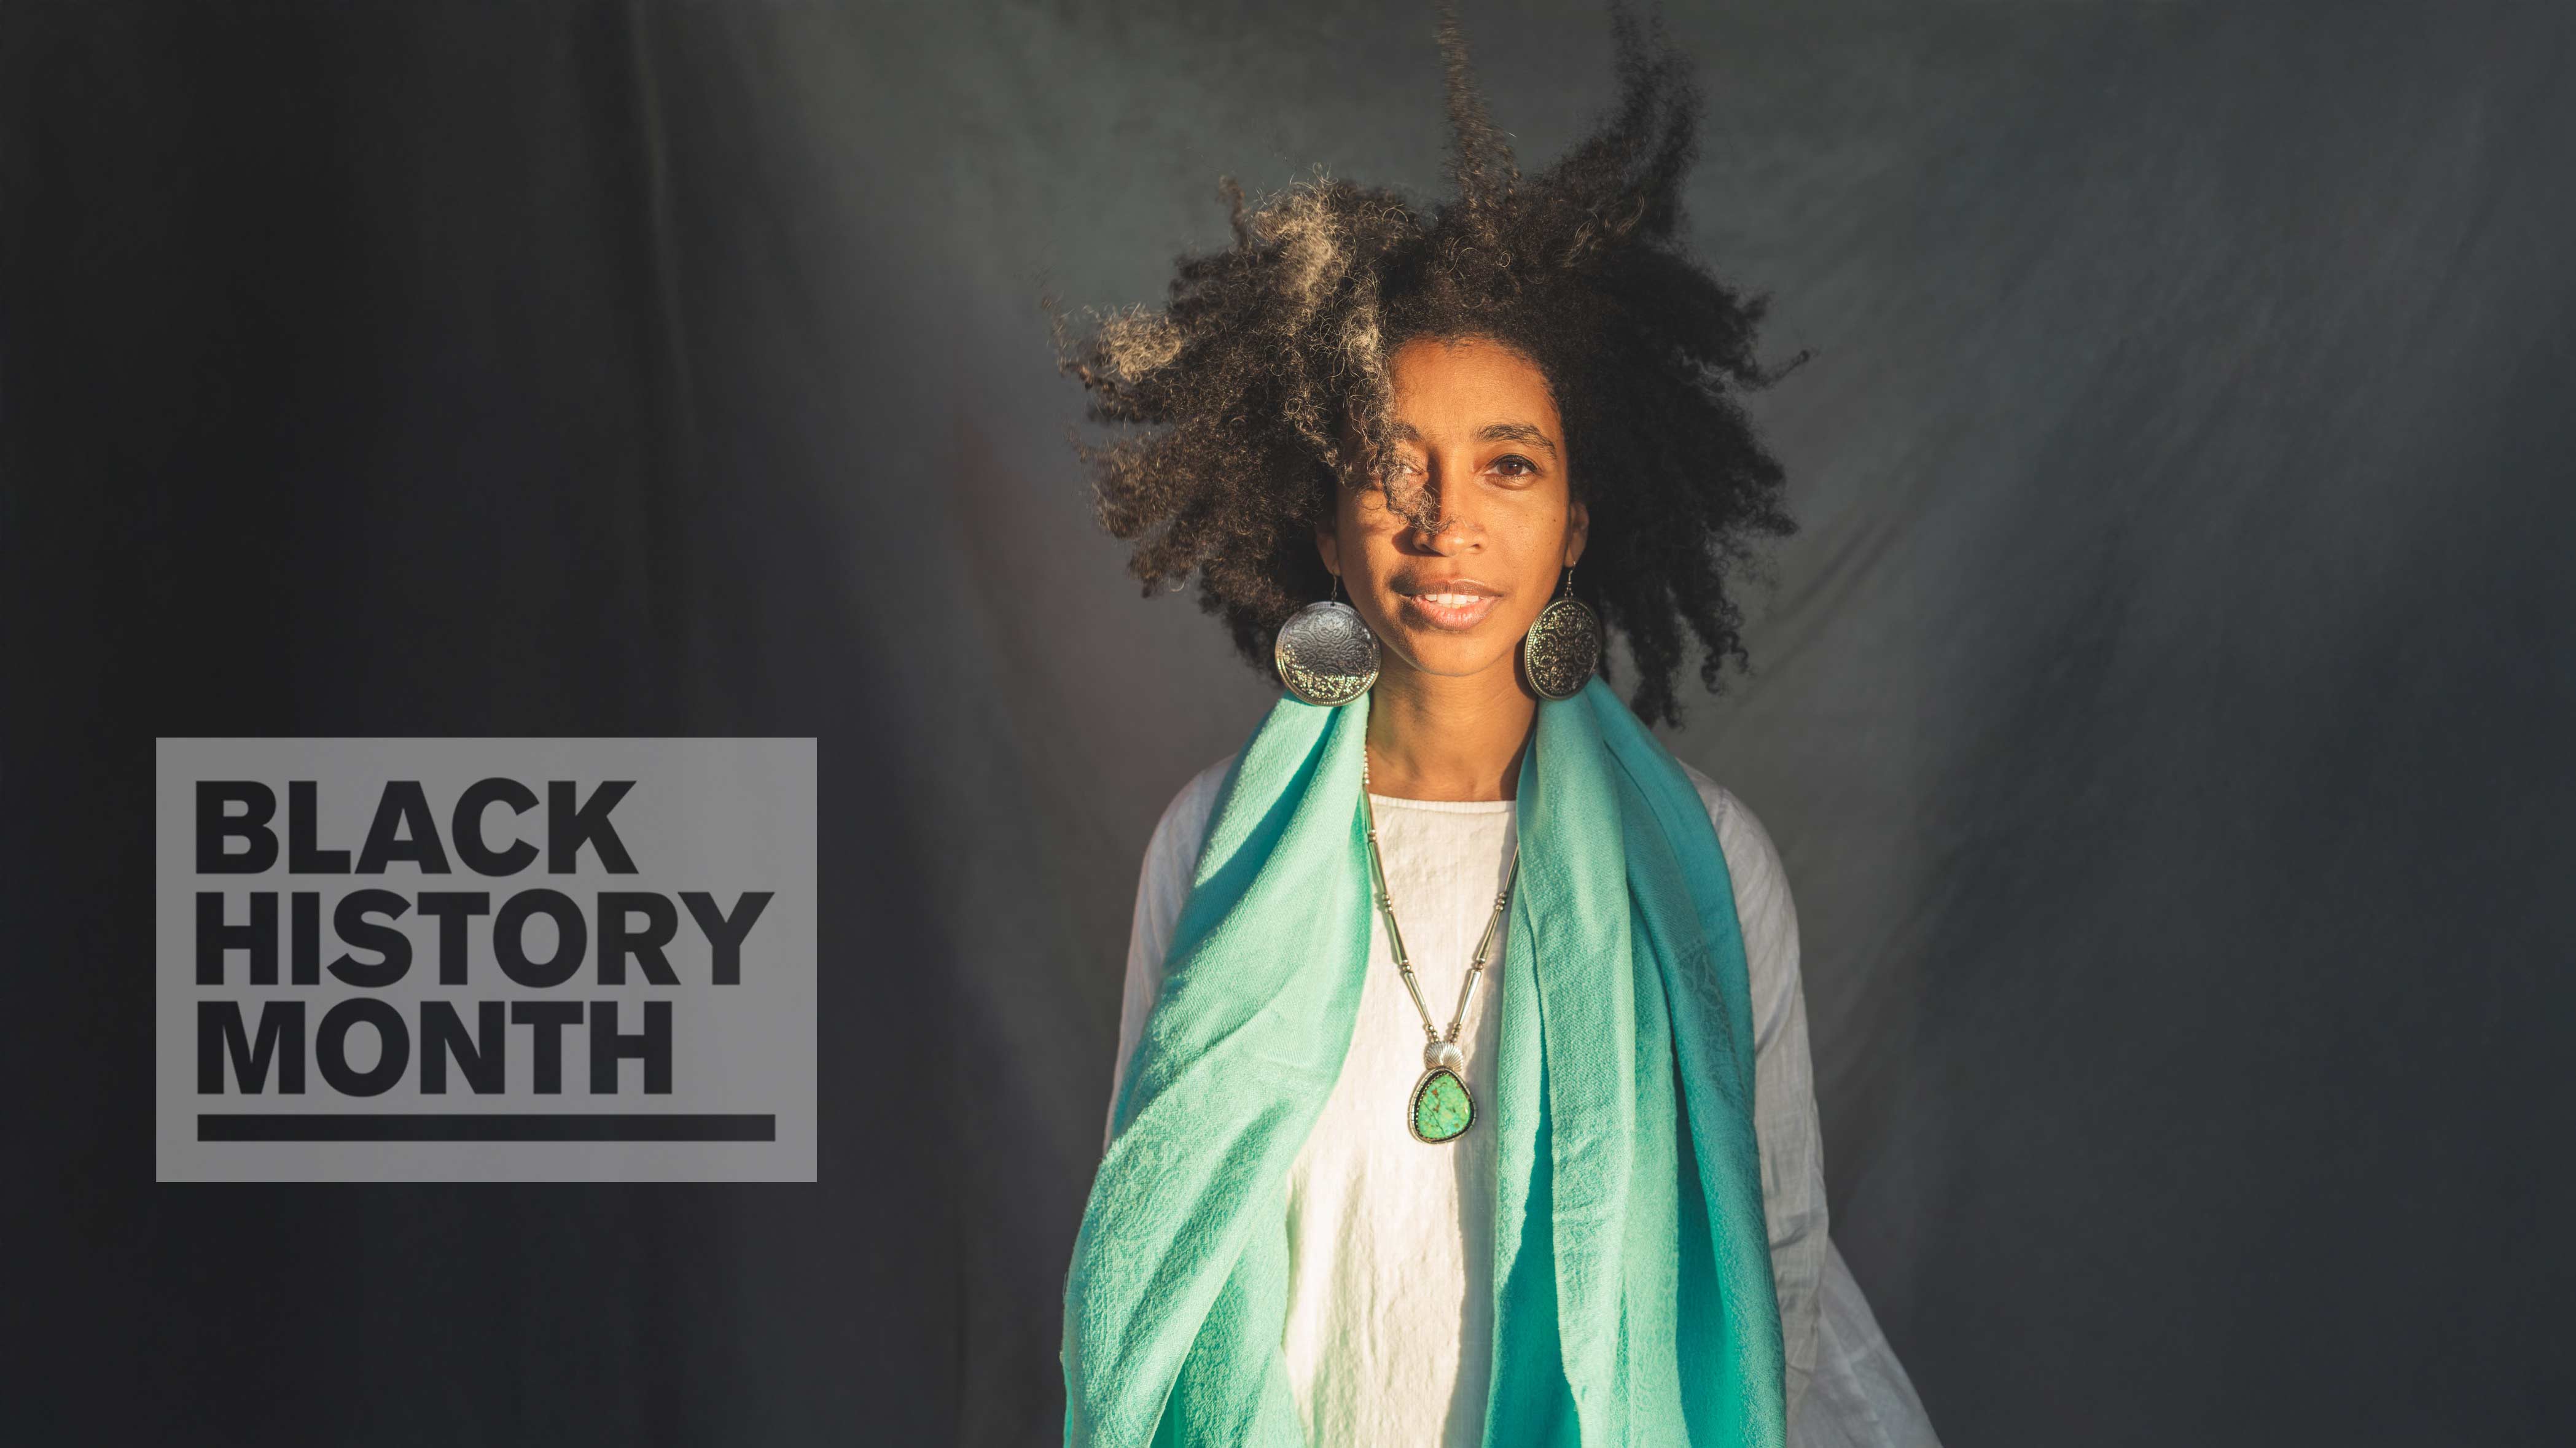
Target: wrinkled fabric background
column 2162, row 712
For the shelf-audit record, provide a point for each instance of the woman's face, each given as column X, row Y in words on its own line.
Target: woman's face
column 1478, row 436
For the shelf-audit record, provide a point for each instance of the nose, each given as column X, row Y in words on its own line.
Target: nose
column 1444, row 521
column 1450, row 535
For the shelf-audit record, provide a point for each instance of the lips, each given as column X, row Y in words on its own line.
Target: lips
column 1450, row 603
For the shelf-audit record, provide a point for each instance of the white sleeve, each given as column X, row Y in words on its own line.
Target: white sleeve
column 1784, row 1095
column 1861, row 1397
column 1171, row 858
column 1846, row 1388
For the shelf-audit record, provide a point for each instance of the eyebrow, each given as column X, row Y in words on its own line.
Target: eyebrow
column 1491, row 432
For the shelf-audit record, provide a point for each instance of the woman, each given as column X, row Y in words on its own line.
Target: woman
column 1463, row 1092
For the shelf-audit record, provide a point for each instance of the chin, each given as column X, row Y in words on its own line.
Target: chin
column 1448, row 656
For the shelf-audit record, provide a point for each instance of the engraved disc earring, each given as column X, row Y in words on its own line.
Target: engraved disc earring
column 1562, row 649
column 1325, row 653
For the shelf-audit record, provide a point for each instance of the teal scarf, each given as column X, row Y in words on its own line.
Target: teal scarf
column 1633, row 1300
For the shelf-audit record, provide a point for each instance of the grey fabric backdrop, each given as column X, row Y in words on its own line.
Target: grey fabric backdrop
column 2161, row 712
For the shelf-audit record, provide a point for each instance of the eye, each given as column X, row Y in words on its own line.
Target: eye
column 1525, row 468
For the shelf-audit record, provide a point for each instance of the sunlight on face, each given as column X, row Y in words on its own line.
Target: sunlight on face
column 1478, row 436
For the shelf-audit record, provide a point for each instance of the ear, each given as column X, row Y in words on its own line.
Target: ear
column 1578, row 531
column 1330, row 546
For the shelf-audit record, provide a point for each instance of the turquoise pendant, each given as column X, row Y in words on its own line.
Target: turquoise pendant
column 1441, row 1109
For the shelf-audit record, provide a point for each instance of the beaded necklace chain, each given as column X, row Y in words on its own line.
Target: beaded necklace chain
column 1439, row 1108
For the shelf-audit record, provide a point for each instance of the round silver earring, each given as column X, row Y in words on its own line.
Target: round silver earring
column 1562, row 649
column 1325, row 653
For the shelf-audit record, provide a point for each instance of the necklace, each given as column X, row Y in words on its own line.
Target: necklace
column 1439, row 1108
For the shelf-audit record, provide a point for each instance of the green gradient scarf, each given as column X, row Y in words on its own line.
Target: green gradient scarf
column 1633, row 1299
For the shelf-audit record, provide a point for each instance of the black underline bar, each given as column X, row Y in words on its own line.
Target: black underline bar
column 453, row 1126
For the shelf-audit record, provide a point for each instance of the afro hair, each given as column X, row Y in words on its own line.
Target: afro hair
column 1263, row 385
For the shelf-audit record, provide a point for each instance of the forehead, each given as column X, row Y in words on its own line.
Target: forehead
column 1457, row 388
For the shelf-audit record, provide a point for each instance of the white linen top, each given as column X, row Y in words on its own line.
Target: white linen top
column 1390, row 1299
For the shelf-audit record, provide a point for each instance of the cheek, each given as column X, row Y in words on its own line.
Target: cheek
column 1368, row 537
column 1539, row 534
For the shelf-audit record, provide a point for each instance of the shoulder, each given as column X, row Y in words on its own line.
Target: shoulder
column 1750, row 856
column 1766, row 914
column 1185, row 819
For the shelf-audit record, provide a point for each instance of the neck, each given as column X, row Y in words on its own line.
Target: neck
column 1448, row 738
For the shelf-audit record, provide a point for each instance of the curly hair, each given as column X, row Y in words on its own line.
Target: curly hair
column 1264, row 384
